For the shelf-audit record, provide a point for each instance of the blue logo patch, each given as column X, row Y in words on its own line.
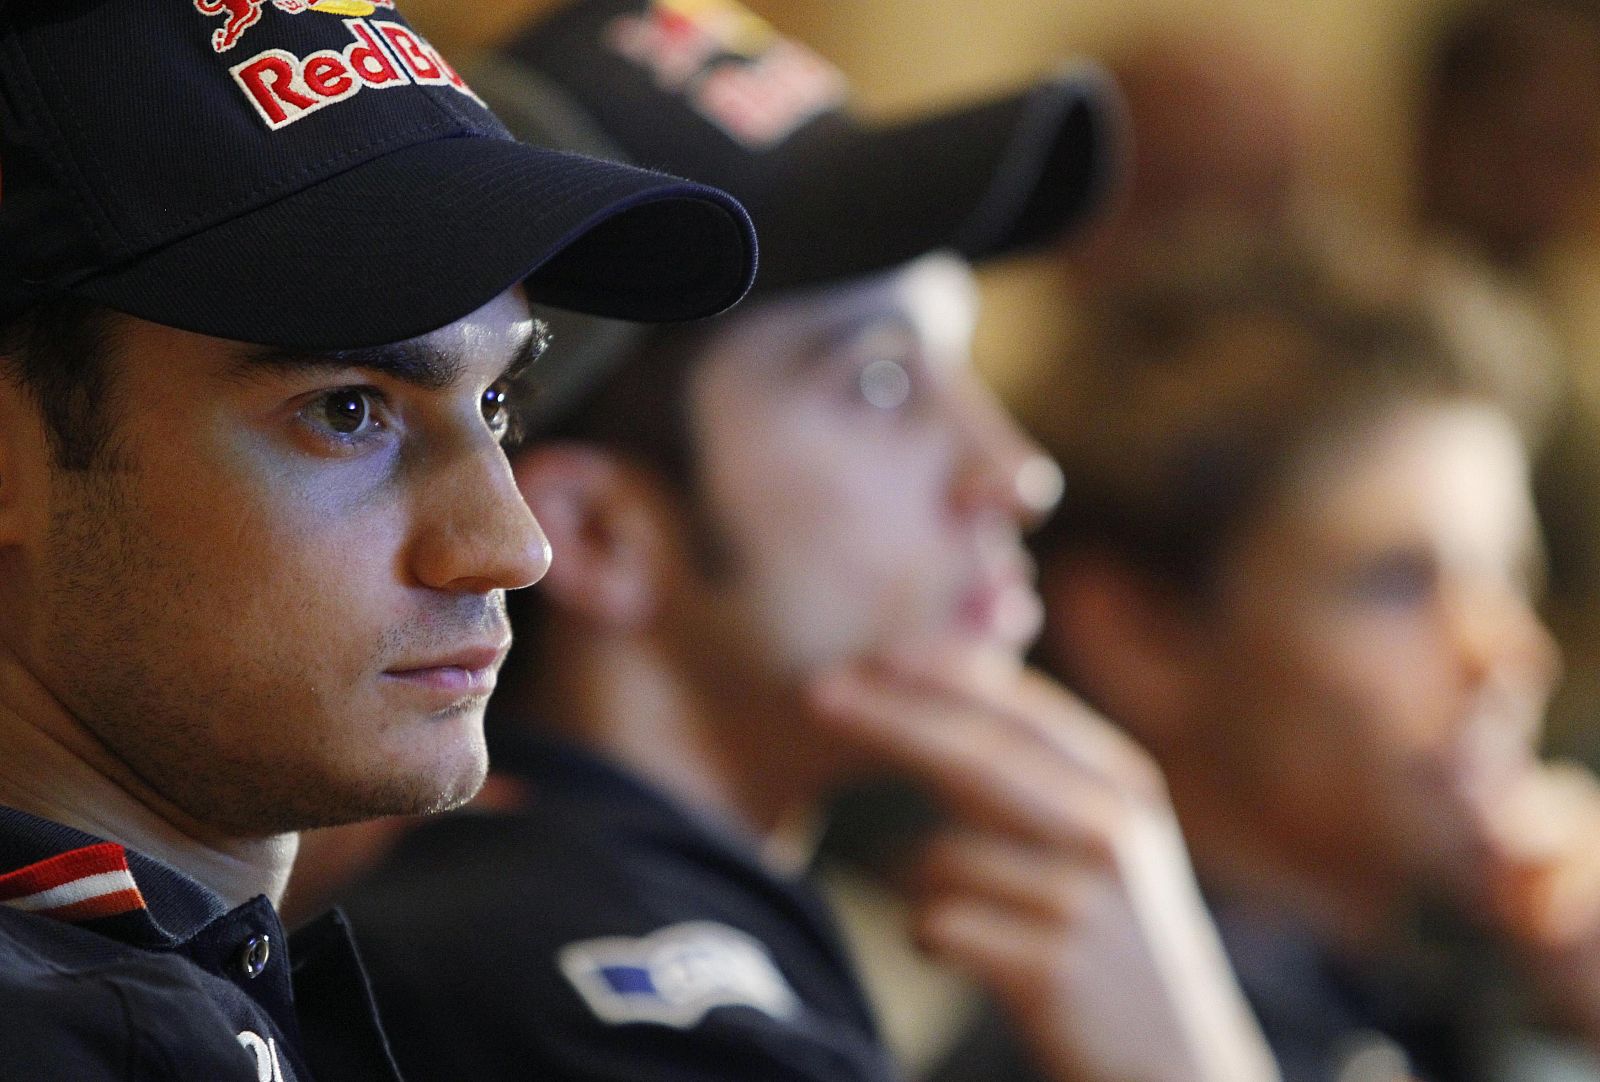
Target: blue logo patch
column 674, row 976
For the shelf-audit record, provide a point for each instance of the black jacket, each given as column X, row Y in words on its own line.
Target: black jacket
column 114, row 966
column 603, row 933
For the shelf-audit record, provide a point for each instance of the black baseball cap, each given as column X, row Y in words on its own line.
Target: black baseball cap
column 313, row 174
column 707, row 89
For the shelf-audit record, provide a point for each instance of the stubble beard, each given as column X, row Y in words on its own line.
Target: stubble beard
column 119, row 611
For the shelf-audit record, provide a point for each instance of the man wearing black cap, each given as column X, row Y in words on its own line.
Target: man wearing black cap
column 788, row 550
column 263, row 285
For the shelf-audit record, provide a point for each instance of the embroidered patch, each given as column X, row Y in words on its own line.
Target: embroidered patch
column 285, row 88
column 732, row 67
column 674, row 976
column 83, row 884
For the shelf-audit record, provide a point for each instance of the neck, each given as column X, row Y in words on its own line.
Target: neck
column 53, row 767
column 749, row 762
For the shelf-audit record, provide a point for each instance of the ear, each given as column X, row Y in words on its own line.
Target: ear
column 1130, row 646
column 600, row 519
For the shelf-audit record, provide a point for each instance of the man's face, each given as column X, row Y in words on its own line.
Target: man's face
column 861, row 486
column 281, row 606
column 1377, row 671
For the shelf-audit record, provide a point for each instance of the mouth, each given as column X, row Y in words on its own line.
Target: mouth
column 1002, row 606
column 463, row 673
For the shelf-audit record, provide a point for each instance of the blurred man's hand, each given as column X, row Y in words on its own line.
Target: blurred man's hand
column 1542, row 839
column 1061, row 881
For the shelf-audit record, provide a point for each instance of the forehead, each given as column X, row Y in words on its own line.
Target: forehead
column 489, row 338
column 933, row 300
column 1454, row 472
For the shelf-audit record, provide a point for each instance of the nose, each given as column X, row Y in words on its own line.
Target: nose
column 477, row 533
column 1500, row 638
column 1003, row 471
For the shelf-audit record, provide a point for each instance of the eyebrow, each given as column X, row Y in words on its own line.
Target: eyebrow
column 413, row 362
column 826, row 345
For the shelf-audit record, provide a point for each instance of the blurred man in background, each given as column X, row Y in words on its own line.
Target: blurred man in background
column 789, row 550
column 1300, row 565
column 1508, row 148
column 1508, row 182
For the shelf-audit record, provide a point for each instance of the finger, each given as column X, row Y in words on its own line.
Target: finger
column 981, row 773
column 1050, row 885
column 1529, row 819
column 1028, row 703
column 1545, row 871
column 1030, row 714
column 998, row 946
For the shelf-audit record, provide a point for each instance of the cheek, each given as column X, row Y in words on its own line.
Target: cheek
column 293, row 571
column 1382, row 673
column 1368, row 765
column 1338, row 719
column 1397, row 679
column 839, row 547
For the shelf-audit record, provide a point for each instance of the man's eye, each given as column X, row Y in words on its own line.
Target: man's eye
column 1399, row 578
column 345, row 412
column 497, row 409
column 885, row 384
column 882, row 359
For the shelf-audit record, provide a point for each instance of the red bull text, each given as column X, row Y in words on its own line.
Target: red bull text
column 285, row 88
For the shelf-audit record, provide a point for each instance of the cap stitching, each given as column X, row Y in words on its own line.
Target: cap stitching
column 347, row 156
column 126, row 244
column 106, row 229
column 257, row 198
column 450, row 107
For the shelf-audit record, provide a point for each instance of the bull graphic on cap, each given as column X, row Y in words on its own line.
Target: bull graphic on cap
column 243, row 14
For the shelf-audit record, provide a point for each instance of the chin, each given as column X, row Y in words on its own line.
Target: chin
column 357, row 800
column 422, row 776
column 446, row 781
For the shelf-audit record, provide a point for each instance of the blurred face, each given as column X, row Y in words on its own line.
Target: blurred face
column 863, row 488
column 1376, row 669
column 282, row 606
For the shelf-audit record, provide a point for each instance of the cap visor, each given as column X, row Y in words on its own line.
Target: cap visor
column 980, row 181
column 415, row 239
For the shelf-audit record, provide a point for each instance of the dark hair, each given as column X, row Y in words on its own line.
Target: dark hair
column 1477, row 47
column 58, row 352
column 639, row 411
column 1482, row 61
column 1198, row 393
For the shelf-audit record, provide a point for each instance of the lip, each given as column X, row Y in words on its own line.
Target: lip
column 462, row 673
column 1002, row 606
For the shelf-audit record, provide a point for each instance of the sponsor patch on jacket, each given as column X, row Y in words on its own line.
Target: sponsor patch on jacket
column 675, row 976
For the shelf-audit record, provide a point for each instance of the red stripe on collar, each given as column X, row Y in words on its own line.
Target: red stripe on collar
column 78, row 885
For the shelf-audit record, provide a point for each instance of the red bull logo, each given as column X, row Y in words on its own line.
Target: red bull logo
column 241, row 15
column 285, row 88
column 676, row 39
column 731, row 66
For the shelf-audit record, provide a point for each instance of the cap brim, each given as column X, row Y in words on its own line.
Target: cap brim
column 981, row 181
column 415, row 239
